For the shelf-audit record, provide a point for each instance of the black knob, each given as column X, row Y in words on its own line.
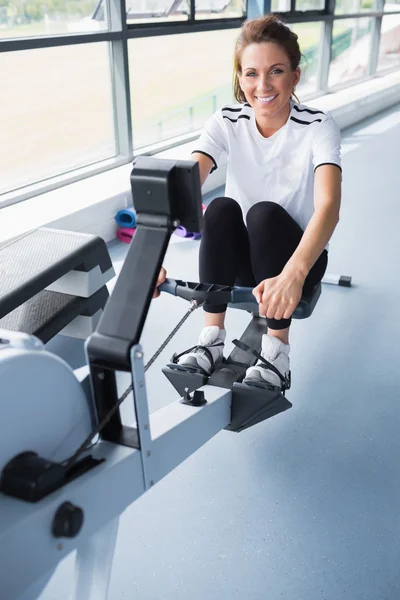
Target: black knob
column 67, row 521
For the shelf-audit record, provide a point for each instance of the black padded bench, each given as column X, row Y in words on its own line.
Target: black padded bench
column 49, row 278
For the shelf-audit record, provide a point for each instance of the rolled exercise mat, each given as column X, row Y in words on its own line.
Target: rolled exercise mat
column 182, row 232
column 125, row 234
column 125, row 218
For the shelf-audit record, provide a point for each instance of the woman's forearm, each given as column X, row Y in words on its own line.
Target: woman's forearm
column 327, row 200
column 315, row 238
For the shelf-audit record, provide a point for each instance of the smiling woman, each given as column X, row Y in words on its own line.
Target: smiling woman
column 282, row 197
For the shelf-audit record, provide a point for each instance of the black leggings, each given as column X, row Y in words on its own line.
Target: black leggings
column 231, row 254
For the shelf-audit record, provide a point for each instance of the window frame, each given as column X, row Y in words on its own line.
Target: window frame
column 120, row 32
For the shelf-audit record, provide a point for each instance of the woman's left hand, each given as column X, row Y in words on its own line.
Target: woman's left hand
column 279, row 296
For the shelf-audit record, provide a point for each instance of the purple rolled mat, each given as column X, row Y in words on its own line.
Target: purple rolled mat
column 182, row 232
column 190, row 235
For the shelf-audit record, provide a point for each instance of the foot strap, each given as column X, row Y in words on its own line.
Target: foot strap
column 264, row 363
column 176, row 357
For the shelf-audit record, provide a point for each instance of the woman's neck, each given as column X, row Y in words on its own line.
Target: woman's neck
column 267, row 126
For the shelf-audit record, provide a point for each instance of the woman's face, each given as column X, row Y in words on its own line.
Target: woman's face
column 267, row 79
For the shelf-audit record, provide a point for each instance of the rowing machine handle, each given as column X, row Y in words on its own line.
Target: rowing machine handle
column 242, row 295
column 204, row 292
column 169, row 286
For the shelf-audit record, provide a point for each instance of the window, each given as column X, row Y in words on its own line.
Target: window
column 392, row 5
column 310, row 43
column 153, row 11
column 310, row 4
column 284, row 5
column 66, row 107
column 177, row 94
column 389, row 48
column 56, row 112
column 223, row 9
column 280, row 5
column 22, row 18
column 354, row 6
column 351, row 45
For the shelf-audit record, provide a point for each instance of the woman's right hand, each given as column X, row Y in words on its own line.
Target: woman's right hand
column 161, row 278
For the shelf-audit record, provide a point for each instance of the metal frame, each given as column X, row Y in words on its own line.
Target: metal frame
column 120, row 32
column 120, row 77
column 376, row 36
column 326, row 47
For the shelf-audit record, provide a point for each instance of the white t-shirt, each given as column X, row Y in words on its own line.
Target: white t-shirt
column 279, row 168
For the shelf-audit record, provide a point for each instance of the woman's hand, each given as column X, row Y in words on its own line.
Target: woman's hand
column 161, row 278
column 279, row 296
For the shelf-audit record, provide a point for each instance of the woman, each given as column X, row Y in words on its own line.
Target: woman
column 283, row 194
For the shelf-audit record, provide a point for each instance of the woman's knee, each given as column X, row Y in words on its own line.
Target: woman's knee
column 222, row 208
column 264, row 211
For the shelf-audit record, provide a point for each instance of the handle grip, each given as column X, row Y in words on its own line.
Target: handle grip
column 169, row 286
column 243, row 295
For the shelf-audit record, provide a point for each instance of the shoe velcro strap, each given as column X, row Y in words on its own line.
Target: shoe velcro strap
column 176, row 357
column 264, row 363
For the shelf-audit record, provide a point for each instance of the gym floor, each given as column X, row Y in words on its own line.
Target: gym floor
column 304, row 505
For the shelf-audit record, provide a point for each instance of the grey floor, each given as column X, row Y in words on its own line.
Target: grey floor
column 304, row 506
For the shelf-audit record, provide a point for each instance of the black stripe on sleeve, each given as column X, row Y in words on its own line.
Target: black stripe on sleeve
column 328, row 163
column 312, row 112
column 236, row 120
column 305, row 122
column 209, row 156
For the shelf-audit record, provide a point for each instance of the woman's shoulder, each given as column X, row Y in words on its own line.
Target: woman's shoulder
column 308, row 114
column 316, row 121
column 233, row 112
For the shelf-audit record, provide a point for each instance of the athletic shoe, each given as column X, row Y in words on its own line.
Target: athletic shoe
column 275, row 352
column 208, row 353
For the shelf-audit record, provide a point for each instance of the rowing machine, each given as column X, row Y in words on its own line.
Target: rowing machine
column 68, row 465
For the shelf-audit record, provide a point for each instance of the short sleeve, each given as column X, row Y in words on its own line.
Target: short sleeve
column 212, row 141
column 326, row 144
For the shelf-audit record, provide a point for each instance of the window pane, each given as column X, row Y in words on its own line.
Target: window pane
column 176, row 95
column 224, row 9
column 309, row 41
column 354, row 6
column 21, row 18
column 389, row 49
column 284, row 5
column 56, row 112
column 351, row 44
column 310, row 4
column 392, row 5
column 280, row 5
column 153, row 11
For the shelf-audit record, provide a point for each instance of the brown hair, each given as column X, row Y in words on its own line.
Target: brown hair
column 264, row 29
